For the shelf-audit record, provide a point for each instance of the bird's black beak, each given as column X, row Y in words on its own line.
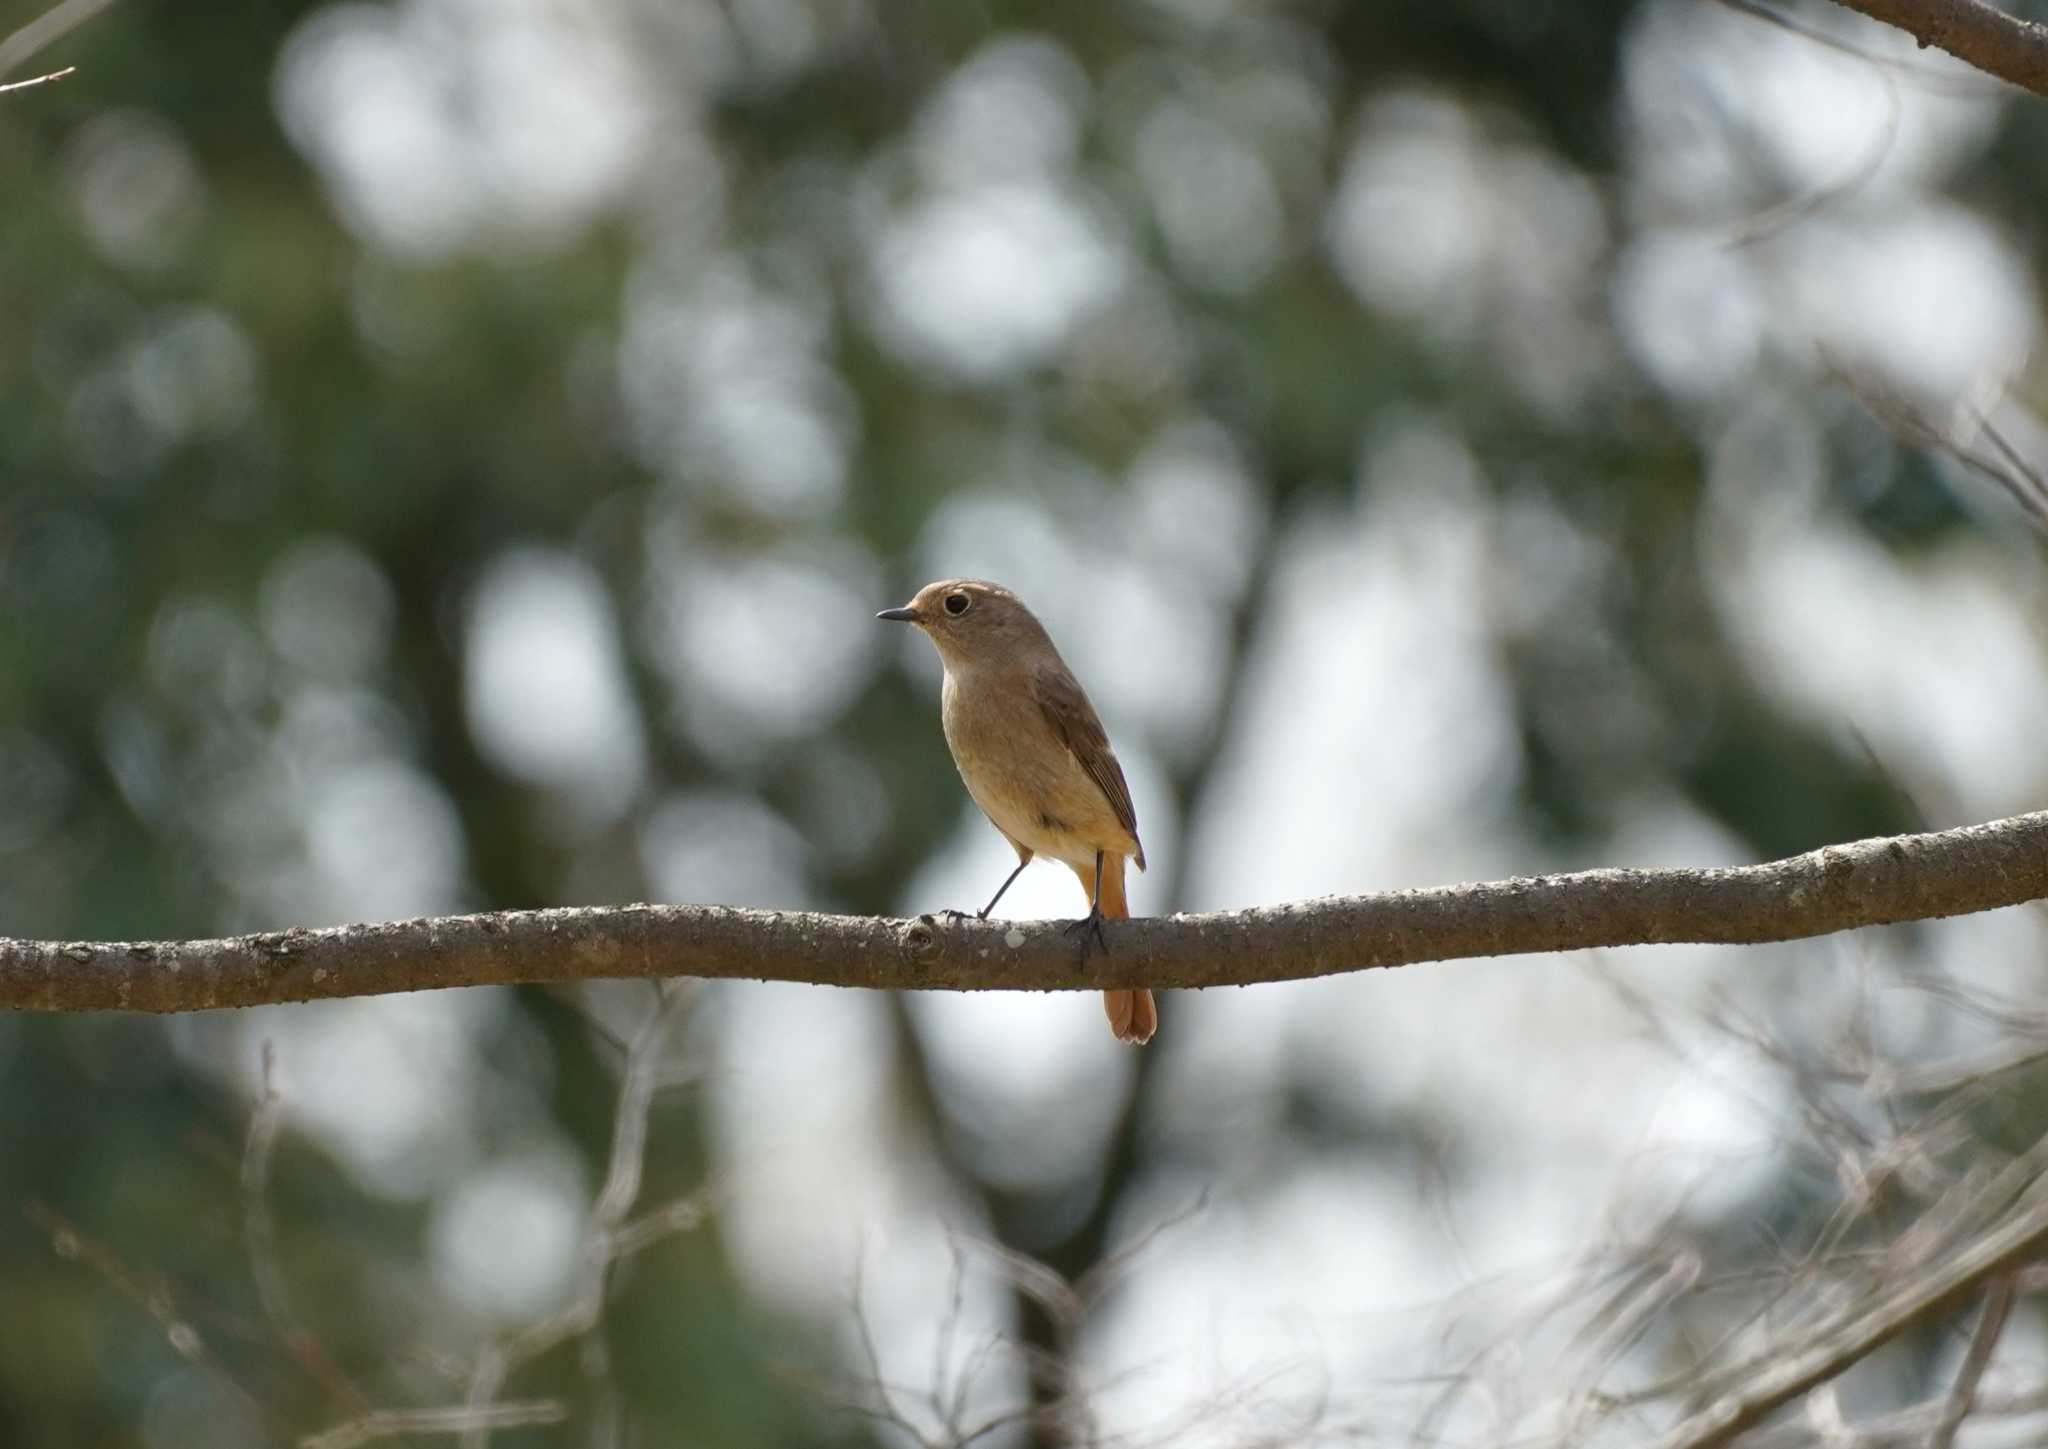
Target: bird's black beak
column 901, row 616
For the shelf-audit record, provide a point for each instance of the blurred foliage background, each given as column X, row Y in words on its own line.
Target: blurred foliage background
column 451, row 453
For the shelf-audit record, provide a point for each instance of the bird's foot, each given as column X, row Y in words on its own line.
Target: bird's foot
column 952, row 915
column 1088, row 931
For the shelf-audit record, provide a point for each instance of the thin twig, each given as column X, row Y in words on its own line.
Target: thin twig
column 38, row 80
column 1963, row 1397
column 390, row 1423
column 685, row 1214
column 152, row 1295
column 1941, row 80
column 1910, row 1425
column 1773, row 220
column 46, row 29
column 260, row 1231
column 884, row 1408
column 2033, row 484
column 2009, row 469
column 1852, row 1334
column 608, row 1226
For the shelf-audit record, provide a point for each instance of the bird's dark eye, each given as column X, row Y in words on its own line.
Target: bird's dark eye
column 956, row 604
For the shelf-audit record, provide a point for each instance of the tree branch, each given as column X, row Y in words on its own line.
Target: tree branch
column 1972, row 31
column 38, row 80
column 46, row 29
column 1836, row 888
column 1858, row 1330
column 1983, row 1343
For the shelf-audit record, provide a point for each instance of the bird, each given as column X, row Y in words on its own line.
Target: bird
column 1034, row 756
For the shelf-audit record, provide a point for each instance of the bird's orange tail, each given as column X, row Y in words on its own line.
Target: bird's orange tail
column 1132, row 1015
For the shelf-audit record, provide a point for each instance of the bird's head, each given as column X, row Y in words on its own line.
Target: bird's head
column 970, row 619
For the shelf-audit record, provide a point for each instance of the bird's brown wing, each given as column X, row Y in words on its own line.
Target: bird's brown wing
column 1074, row 725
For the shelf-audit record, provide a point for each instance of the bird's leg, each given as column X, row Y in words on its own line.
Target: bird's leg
column 982, row 914
column 1091, row 924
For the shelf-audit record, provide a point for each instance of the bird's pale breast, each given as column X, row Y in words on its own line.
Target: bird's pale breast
column 1022, row 776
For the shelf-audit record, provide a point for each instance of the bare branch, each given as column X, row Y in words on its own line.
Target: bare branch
column 46, row 29
column 2017, row 1232
column 38, row 80
column 1837, row 888
column 153, row 1294
column 259, row 1231
column 1934, row 79
column 608, row 1219
column 1972, row 31
column 390, row 1423
column 2008, row 467
column 1963, row 1398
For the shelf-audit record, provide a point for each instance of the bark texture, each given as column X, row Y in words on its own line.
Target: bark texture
column 1866, row 883
column 1972, row 31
